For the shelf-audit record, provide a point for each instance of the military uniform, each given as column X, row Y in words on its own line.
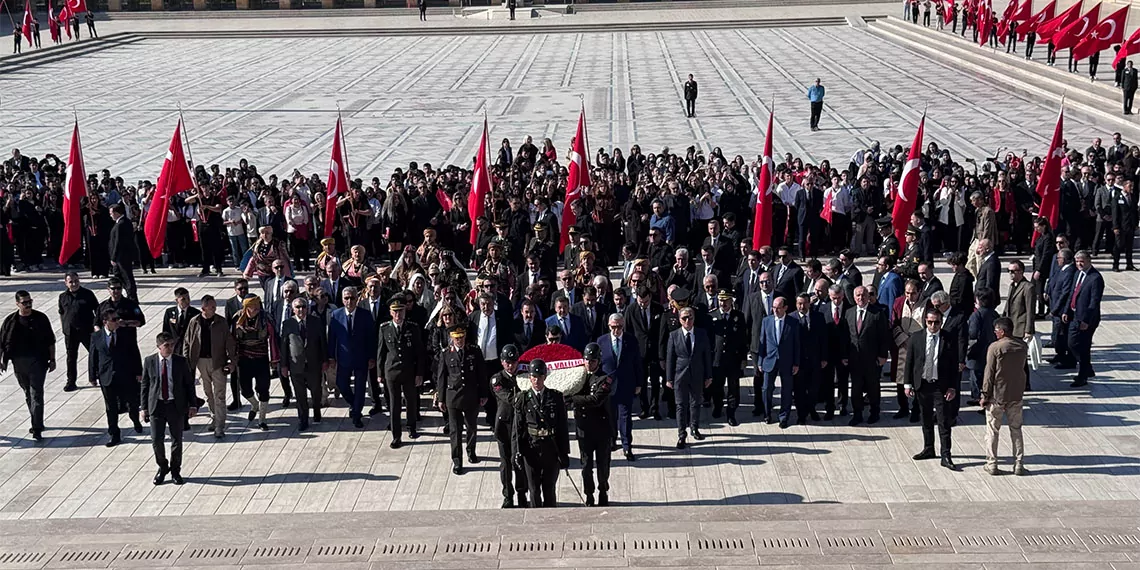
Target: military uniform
column 401, row 361
column 461, row 384
column 595, row 426
column 540, row 440
column 505, row 387
column 890, row 247
column 907, row 267
column 729, row 334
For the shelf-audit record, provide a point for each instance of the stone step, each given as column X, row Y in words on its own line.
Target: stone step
column 1099, row 100
column 32, row 57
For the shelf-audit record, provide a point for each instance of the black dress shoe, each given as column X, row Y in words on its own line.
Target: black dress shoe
column 949, row 464
column 901, row 414
column 457, row 469
column 855, row 421
column 285, row 402
column 508, row 503
column 681, row 443
column 252, row 415
column 643, row 415
column 302, row 426
column 522, row 502
column 842, row 412
column 160, row 477
column 70, row 387
column 770, row 420
column 446, row 429
column 814, row 416
column 828, row 415
column 589, row 500
column 176, row 477
column 1078, row 383
column 114, row 441
column 395, row 444
column 874, row 419
column 756, row 412
column 357, row 423
column 801, row 420
column 234, row 406
column 629, row 455
column 732, row 421
column 413, row 434
column 138, row 427
column 37, row 435
column 717, row 412
column 603, row 499
column 924, row 454
column 784, row 423
column 657, row 416
column 316, row 415
column 263, row 426
column 374, row 410
column 915, row 418
column 697, row 435
column 472, row 458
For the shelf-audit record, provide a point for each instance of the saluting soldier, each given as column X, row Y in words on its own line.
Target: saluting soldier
column 461, row 390
column 505, row 387
column 540, row 438
column 730, row 345
column 593, row 418
column 401, row 361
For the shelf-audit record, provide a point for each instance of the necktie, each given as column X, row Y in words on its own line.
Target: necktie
column 780, row 275
column 689, row 341
column 350, row 324
column 528, row 331
column 928, row 370
column 301, row 327
column 112, row 340
column 1077, row 291
column 859, row 322
column 752, row 283
column 617, row 350
column 806, row 321
column 165, row 381
column 835, row 313
column 648, row 320
column 779, row 329
column 565, row 328
column 590, row 318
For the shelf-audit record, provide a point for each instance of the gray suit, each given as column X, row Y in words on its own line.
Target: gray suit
column 303, row 356
column 180, row 396
column 687, row 369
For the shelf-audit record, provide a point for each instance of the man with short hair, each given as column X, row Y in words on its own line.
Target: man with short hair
column 462, row 388
column 778, row 356
column 117, row 369
column 505, row 388
column 177, row 318
column 593, row 418
column 304, row 355
column 815, row 97
column 233, row 307
column 864, row 348
column 77, row 306
column 28, row 343
column 123, row 250
column 210, row 349
column 540, row 437
column 1003, row 389
column 168, row 398
column 401, row 363
column 933, row 372
column 688, row 371
column 1057, row 293
column 1083, row 315
column 691, row 97
column 352, row 348
column 621, row 361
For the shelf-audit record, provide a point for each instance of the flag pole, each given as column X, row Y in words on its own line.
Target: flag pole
column 343, row 146
column 186, row 141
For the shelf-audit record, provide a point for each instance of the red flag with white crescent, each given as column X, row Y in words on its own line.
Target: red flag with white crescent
column 762, row 224
column 338, row 178
column 174, row 178
column 1068, row 36
column 65, row 19
column 1130, row 47
column 908, row 185
column 1032, row 23
column 1050, row 27
column 480, row 185
column 29, row 21
column 577, row 177
column 1109, row 31
column 53, row 25
column 948, row 12
column 77, row 6
column 74, row 190
column 1049, row 182
column 825, row 213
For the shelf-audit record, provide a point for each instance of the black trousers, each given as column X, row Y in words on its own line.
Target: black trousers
column 167, row 415
column 806, row 388
column 120, row 394
column 30, row 375
column 492, row 405
column 72, row 339
column 423, row 13
column 458, row 420
column 402, row 386
column 1051, row 54
column 1080, row 345
column 305, row 386
column 932, row 402
column 541, row 467
column 651, row 398
column 125, row 272
column 866, row 380
column 374, row 389
column 595, row 453
column 835, row 380
column 512, row 477
column 254, row 375
column 1123, row 246
column 816, row 111
column 1129, row 96
column 691, row 107
column 726, row 376
column 300, row 251
column 213, row 247
column 1030, row 39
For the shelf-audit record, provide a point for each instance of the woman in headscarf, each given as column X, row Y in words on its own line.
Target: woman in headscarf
column 266, row 250
column 424, row 294
column 356, row 267
column 256, row 349
column 326, row 257
column 452, row 274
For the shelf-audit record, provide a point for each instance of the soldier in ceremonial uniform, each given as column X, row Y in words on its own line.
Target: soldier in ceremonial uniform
column 730, row 345
column 401, row 363
column 505, row 387
column 544, row 247
column 497, row 265
column 907, row 267
column 890, row 246
column 461, row 389
column 540, row 437
column 593, row 418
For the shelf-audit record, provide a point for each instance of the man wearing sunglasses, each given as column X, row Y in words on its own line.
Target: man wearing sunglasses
column 933, row 372
column 28, row 343
column 117, row 368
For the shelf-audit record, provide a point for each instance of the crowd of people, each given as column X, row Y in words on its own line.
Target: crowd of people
column 659, row 288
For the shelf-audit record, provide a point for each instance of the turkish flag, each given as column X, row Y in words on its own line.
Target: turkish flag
column 1128, row 48
column 53, row 25
column 985, row 23
column 1006, row 15
column 1109, row 31
column 948, row 12
column 77, row 6
column 338, row 178
column 1049, row 182
column 480, row 185
column 908, row 185
column 1031, row 24
column 825, row 213
column 577, row 177
column 174, row 178
column 762, row 224
column 29, row 21
column 1068, row 36
column 1049, row 27
column 65, row 20
column 74, row 190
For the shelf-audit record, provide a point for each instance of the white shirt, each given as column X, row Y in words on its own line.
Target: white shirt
column 488, row 336
column 787, row 192
column 233, row 215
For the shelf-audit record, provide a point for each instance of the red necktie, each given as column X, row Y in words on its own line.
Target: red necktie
column 835, row 314
column 165, row 382
column 1076, row 291
column 859, row 322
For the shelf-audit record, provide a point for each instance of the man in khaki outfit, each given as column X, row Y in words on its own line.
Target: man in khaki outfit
column 209, row 349
column 1003, row 387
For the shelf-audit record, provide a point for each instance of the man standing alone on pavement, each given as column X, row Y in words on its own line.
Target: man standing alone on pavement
column 1128, row 83
column 27, row 341
column 691, row 97
column 77, row 319
column 815, row 96
column 1003, row 388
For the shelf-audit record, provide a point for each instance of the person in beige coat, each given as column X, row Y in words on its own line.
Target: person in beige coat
column 209, row 349
column 1020, row 307
column 985, row 227
column 1003, row 388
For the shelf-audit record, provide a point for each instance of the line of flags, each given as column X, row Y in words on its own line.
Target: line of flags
column 1082, row 32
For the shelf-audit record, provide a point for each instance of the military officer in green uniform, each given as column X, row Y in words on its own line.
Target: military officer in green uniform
column 593, row 416
column 401, row 362
column 730, row 346
column 462, row 389
column 540, row 438
column 505, row 388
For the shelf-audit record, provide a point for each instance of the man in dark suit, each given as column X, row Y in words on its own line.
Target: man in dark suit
column 747, row 278
column 401, row 363
column 488, row 330
column 117, row 368
column 956, row 327
column 1044, row 250
column 723, row 254
column 835, row 372
column 621, row 360
column 77, row 318
column 1128, row 83
column 572, row 326
column 989, row 267
column 788, row 276
column 813, row 359
column 688, row 371
column 462, row 388
column 706, row 267
column 123, row 249
column 1124, row 215
column 758, row 304
column 1083, row 315
column 304, row 356
column 962, row 285
column 177, row 318
column 850, row 277
column 933, row 373
column 529, row 329
column 1058, row 291
column 864, row 351
column 690, row 97
column 930, row 283
column 352, row 346
column 168, row 397
column 643, row 320
column 591, row 312
column 778, row 357
column 730, row 347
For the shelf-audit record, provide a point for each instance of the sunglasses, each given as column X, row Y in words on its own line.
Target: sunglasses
column 24, row 302
column 686, row 318
column 935, row 322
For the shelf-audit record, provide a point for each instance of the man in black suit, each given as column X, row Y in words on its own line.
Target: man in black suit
column 462, row 387
column 835, row 372
column 168, row 398
column 529, row 329
column 813, row 359
column 864, row 351
column 489, row 329
column 933, row 373
column 989, row 267
column 730, row 347
column 591, row 312
column 1124, row 214
column 123, row 249
column 788, row 276
column 707, row 266
column 401, row 363
column 643, row 319
column 849, row 277
column 117, row 368
column 691, row 97
column 961, row 293
column 1044, row 251
column 930, row 283
column 177, row 318
column 956, row 327
column 723, row 254
column 77, row 319
column 1083, row 315
column 304, row 356
column 688, row 371
column 1128, row 83
column 1058, row 291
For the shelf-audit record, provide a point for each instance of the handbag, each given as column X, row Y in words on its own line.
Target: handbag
column 1035, row 352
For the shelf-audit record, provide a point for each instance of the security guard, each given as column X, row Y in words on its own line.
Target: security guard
column 505, row 387
column 890, row 246
column 540, row 438
column 462, row 391
column 730, row 346
column 593, row 417
column 401, row 361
